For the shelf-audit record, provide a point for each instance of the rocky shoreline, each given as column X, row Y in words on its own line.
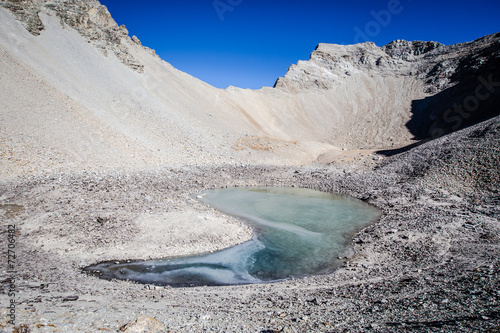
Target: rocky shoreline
column 429, row 264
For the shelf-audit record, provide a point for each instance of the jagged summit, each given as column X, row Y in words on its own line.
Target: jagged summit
column 448, row 75
column 329, row 63
column 409, row 50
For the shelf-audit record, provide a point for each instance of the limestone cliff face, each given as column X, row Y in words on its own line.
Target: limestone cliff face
column 449, row 75
column 330, row 64
column 437, row 65
column 91, row 19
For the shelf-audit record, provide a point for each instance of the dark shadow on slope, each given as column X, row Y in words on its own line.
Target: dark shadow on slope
column 474, row 98
column 392, row 152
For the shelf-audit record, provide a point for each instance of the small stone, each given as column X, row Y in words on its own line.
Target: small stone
column 142, row 325
column 136, row 40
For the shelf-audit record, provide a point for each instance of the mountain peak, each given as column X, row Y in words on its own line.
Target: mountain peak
column 407, row 50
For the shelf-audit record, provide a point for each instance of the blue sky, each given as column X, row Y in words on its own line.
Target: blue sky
column 250, row 43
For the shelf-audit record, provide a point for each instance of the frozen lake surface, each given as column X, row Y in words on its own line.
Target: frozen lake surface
column 298, row 232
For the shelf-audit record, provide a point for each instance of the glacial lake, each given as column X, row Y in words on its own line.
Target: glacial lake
column 298, row 232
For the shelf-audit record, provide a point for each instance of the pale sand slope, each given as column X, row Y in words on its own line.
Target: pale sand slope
column 65, row 106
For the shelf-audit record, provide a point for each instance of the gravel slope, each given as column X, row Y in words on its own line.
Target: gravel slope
column 430, row 263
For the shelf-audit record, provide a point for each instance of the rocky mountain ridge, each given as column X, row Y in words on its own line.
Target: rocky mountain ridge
column 440, row 68
column 345, row 97
column 329, row 64
column 91, row 19
column 432, row 62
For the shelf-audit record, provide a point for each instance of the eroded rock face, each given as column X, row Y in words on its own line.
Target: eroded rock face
column 330, row 64
column 409, row 51
column 449, row 75
column 91, row 19
column 434, row 63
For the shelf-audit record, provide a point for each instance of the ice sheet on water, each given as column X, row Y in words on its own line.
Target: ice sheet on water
column 298, row 232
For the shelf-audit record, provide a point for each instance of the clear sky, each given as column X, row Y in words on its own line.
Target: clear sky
column 250, row 43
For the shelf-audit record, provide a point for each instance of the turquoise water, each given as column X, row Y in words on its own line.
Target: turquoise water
column 298, row 232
